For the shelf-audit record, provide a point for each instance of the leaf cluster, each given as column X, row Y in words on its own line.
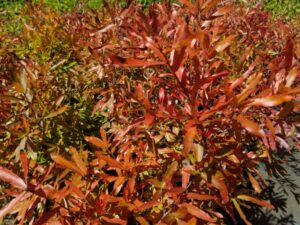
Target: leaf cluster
column 193, row 98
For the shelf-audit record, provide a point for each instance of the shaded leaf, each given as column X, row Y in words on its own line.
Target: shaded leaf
column 7, row 209
column 240, row 211
column 188, row 139
column 57, row 112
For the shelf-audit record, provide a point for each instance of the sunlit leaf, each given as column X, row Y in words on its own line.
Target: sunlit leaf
column 250, row 126
column 271, row 101
column 195, row 211
column 57, row 112
column 255, row 201
column 9, row 177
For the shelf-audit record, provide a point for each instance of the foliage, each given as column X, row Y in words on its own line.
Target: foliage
column 190, row 100
column 288, row 8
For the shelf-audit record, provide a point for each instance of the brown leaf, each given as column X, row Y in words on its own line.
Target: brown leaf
column 250, row 126
column 271, row 101
column 119, row 61
column 256, row 201
column 195, row 211
column 9, row 177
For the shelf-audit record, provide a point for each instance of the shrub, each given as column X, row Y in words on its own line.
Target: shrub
column 195, row 98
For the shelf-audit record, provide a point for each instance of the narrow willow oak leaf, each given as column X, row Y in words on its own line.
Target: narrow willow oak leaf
column 221, row 46
column 11, row 178
column 64, row 163
column 199, row 213
column 188, row 139
column 250, row 126
column 271, row 101
column 119, row 61
column 57, row 112
column 240, row 211
column 218, row 183
column 200, row 197
column 255, row 201
column 7, row 209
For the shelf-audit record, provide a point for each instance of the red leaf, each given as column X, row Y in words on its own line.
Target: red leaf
column 114, row 220
column 188, row 139
column 221, row 186
column 250, row 126
column 195, row 211
column 8, row 176
column 190, row 6
column 255, row 201
column 271, row 101
column 24, row 161
column 200, row 197
column 119, row 61
column 289, row 53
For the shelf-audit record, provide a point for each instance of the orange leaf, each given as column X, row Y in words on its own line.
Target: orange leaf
column 110, row 161
column 250, row 126
column 96, row 141
column 240, row 211
column 195, row 211
column 252, row 83
column 24, row 162
column 190, row 6
column 119, row 61
column 78, row 160
column 256, row 201
column 254, row 183
column 221, row 186
column 271, row 101
column 8, row 176
column 200, row 197
column 221, row 46
column 188, row 139
column 170, row 172
column 66, row 164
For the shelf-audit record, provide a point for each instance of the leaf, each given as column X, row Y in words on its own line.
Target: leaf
column 96, row 141
column 119, row 61
column 224, row 10
column 188, row 139
column 9, row 177
column 170, row 172
column 78, row 160
column 114, row 220
column 110, row 161
column 252, row 83
column 240, row 211
column 46, row 216
column 10, row 206
column 250, row 126
column 271, row 101
column 198, row 151
column 195, row 211
column 221, row 46
column 221, row 186
column 142, row 220
column 57, row 112
column 254, row 183
column 200, row 197
column 24, row 162
column 289, row 53
column 291, row 77
column 255, row 201
column 66, row 164
column 190, row 6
